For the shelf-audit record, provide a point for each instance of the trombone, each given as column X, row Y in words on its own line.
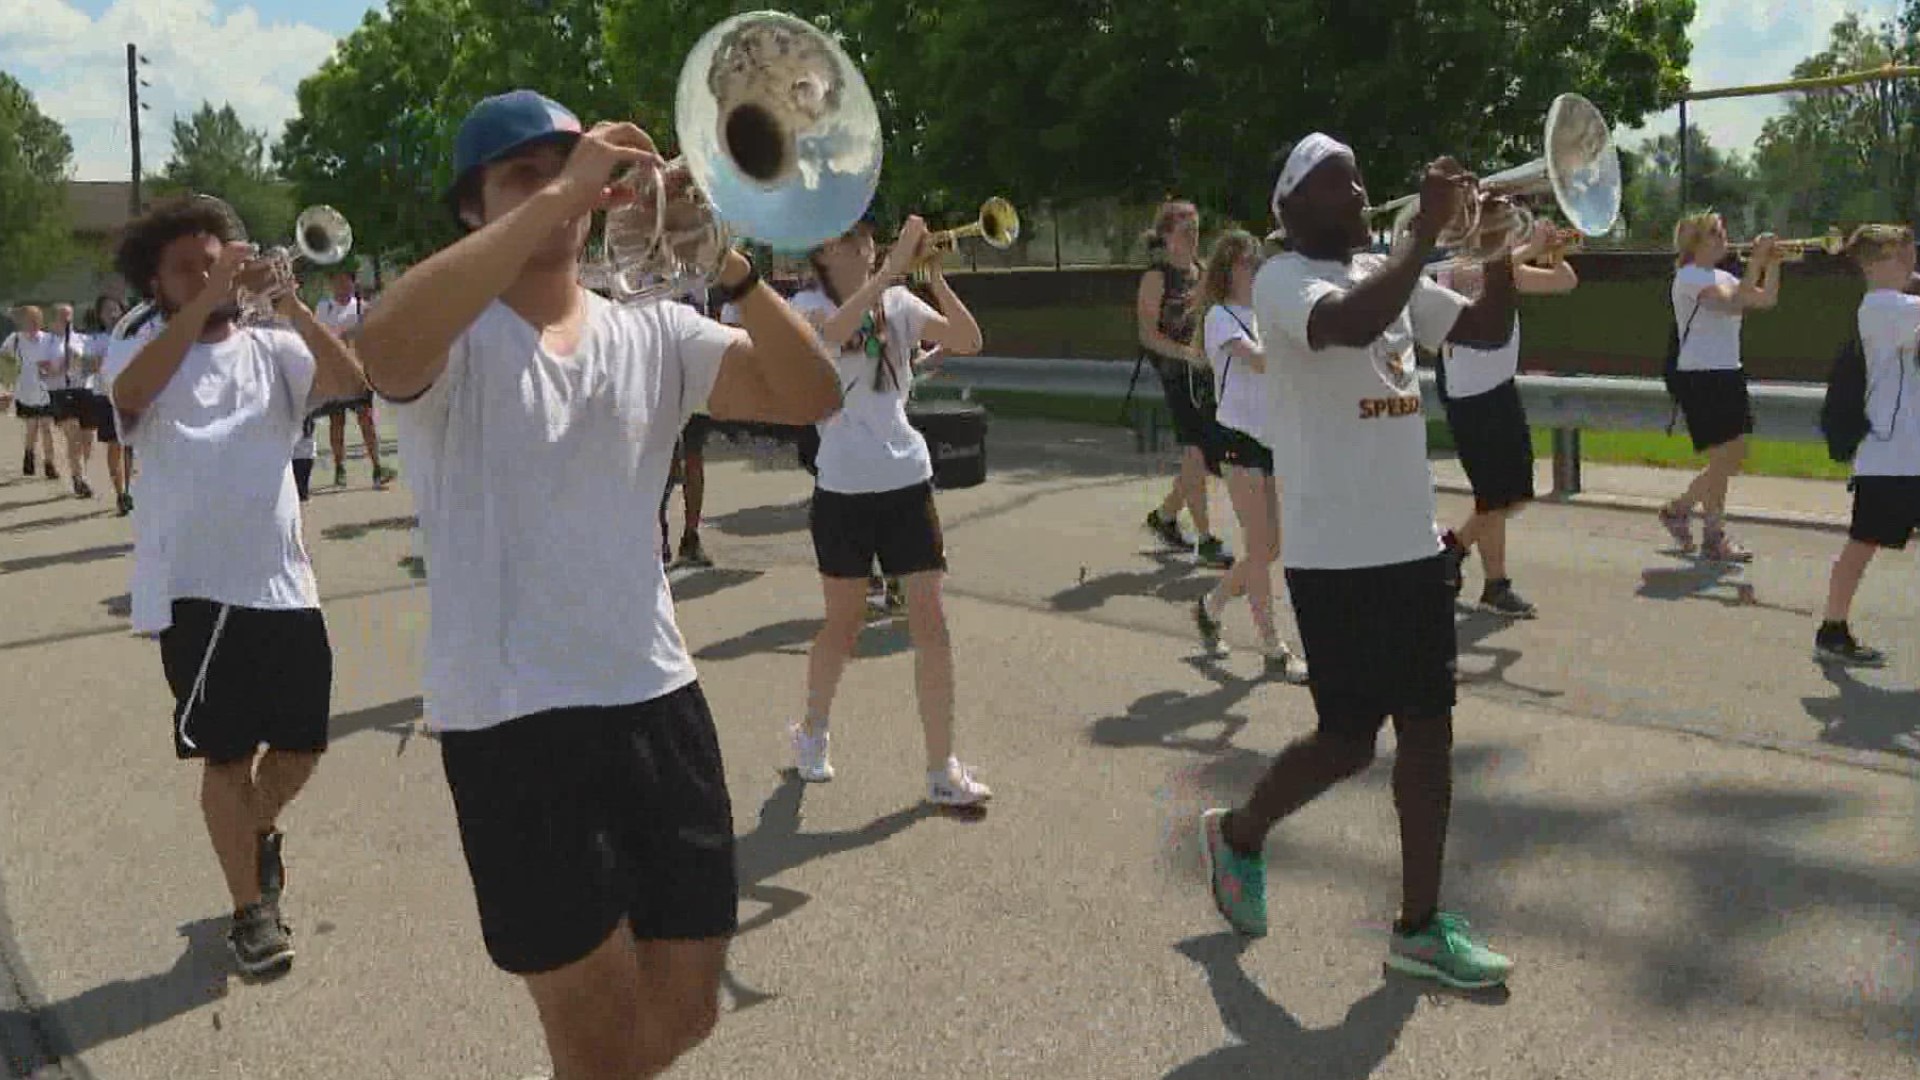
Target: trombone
column 998, row 226
column 1833, row 243
column 780, row 143
column 1580, row 169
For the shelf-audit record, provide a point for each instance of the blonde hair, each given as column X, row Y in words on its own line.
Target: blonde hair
column 24, row 310
column 1156, row 236
column 1216, row 280
column 1870, row 244
column 1690, row 232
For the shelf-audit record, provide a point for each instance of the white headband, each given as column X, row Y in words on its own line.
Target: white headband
column 1307, row 155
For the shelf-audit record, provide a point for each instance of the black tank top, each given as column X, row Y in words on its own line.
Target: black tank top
column 1176, row 302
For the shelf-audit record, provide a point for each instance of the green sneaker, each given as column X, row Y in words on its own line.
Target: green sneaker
column 1445, row 952
column 1239, row 881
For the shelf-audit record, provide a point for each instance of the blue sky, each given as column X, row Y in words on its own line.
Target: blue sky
column 71, row 54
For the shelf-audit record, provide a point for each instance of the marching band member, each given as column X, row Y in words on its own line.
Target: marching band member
column 1231, row 336
column 221, row 575
column 1886, row 463
column 1163, row 307
column 1489, row 423
column 32, row 403
column 873, row 494
column 1364, row 562
column 1710, row 386
column 535, row 416
column 107, row 313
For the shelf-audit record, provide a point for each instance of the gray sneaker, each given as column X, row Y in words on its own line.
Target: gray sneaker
column 260, row 941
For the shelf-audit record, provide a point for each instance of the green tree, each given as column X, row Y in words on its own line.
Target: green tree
column 1725, row 181
column 214, row 153
column 35, row 155
column 1847, row 155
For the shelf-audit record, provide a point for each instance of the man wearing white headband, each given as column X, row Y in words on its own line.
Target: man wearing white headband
column 1362, row 555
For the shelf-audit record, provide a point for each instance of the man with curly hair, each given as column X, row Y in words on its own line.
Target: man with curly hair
column 221, row 574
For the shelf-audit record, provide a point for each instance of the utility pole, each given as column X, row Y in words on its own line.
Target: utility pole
column 134, row 83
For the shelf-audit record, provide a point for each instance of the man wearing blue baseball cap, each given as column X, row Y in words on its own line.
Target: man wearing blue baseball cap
column 537, row 423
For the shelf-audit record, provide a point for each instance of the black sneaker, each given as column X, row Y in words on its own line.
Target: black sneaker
column 1209, row 628
column 1836, row 645
column 339, row 476
column 1167, row 529
column 691, row 553
column 273, row 870
column 382, row 476
column 1456, row 556
column 28, row 464
column 82, row 489
column 124, row 504
column 260, row 941
column 49, row 471
column 1210, row 551
column 1500, row 599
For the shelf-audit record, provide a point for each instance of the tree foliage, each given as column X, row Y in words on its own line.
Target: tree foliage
column 1719, row 179
column 214, row 153
column 1848, row 155
column 35, row 155
column 1064, row 102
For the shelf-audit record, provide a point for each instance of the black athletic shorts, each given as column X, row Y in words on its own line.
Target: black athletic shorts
column 338, row 409
column 576, row 818
column 246, row 677
column 693, row 437
column 1495, row 446
column 30, row 412
column 1715, row 406
column 67, row 404
column 1239, row 449
column 900, row 527
column 1886, row 510
column 1190, row 406
column 97, row 416
column 1379, row 642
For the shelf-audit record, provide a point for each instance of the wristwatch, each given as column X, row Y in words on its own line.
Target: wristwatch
column 728, row 294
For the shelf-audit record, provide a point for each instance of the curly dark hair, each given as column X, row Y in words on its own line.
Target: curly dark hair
column 141, row 242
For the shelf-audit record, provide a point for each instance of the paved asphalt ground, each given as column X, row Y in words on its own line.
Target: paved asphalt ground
column 1703, row 851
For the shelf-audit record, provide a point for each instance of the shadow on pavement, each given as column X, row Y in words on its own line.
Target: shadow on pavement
column 1725, row 849
column 64, row 558
column 705, row 582
column 1725, row 584
column 31, row 503
column 123, row 1007
column 762, row 520
column 356, row 529
column 399, row 718
column 1162, row 719
column 795, row 636
column 48, row 523
column 1473, row 630
column 1864, row 717
column 1177, row 580
column 1269, row 1041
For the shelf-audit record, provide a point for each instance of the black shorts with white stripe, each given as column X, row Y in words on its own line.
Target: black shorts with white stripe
column 243, row 678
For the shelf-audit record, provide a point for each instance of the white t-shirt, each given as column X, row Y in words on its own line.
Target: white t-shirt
column 45, row 348
column 28, row 390
column 340, row 318
column 538, row 481
column 1472, row 372
column 1348, row 429
column 1713, row 344
column 65, row 348
column 95, row 352
column 1890, row 336
column 217, row 516
column 730, row 314
column 1242, row 390
column 869, row 445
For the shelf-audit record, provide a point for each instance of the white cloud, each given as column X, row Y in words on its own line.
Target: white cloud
column 1749, row 42
column 75, row 65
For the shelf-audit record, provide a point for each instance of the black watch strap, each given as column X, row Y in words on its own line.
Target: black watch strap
column 729, row 295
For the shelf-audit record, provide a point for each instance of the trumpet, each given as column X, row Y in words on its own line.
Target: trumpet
column 321, row 236
column 780, row 141
column 998, row 225
column 1580, row 169
column 1833, row 243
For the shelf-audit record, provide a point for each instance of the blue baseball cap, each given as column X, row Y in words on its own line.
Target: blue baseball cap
column 500, row 125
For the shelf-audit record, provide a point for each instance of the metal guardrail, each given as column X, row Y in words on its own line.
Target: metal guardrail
column 1564, row 404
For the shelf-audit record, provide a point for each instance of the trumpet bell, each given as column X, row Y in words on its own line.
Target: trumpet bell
column 778, row 130
column 999, row 223
column 323, row 235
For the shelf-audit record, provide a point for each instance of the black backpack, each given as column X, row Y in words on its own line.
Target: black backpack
column 1843, row 415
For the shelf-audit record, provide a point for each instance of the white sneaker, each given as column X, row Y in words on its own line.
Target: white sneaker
column 1281, row 661
column 810, row 755
column 956, row 786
